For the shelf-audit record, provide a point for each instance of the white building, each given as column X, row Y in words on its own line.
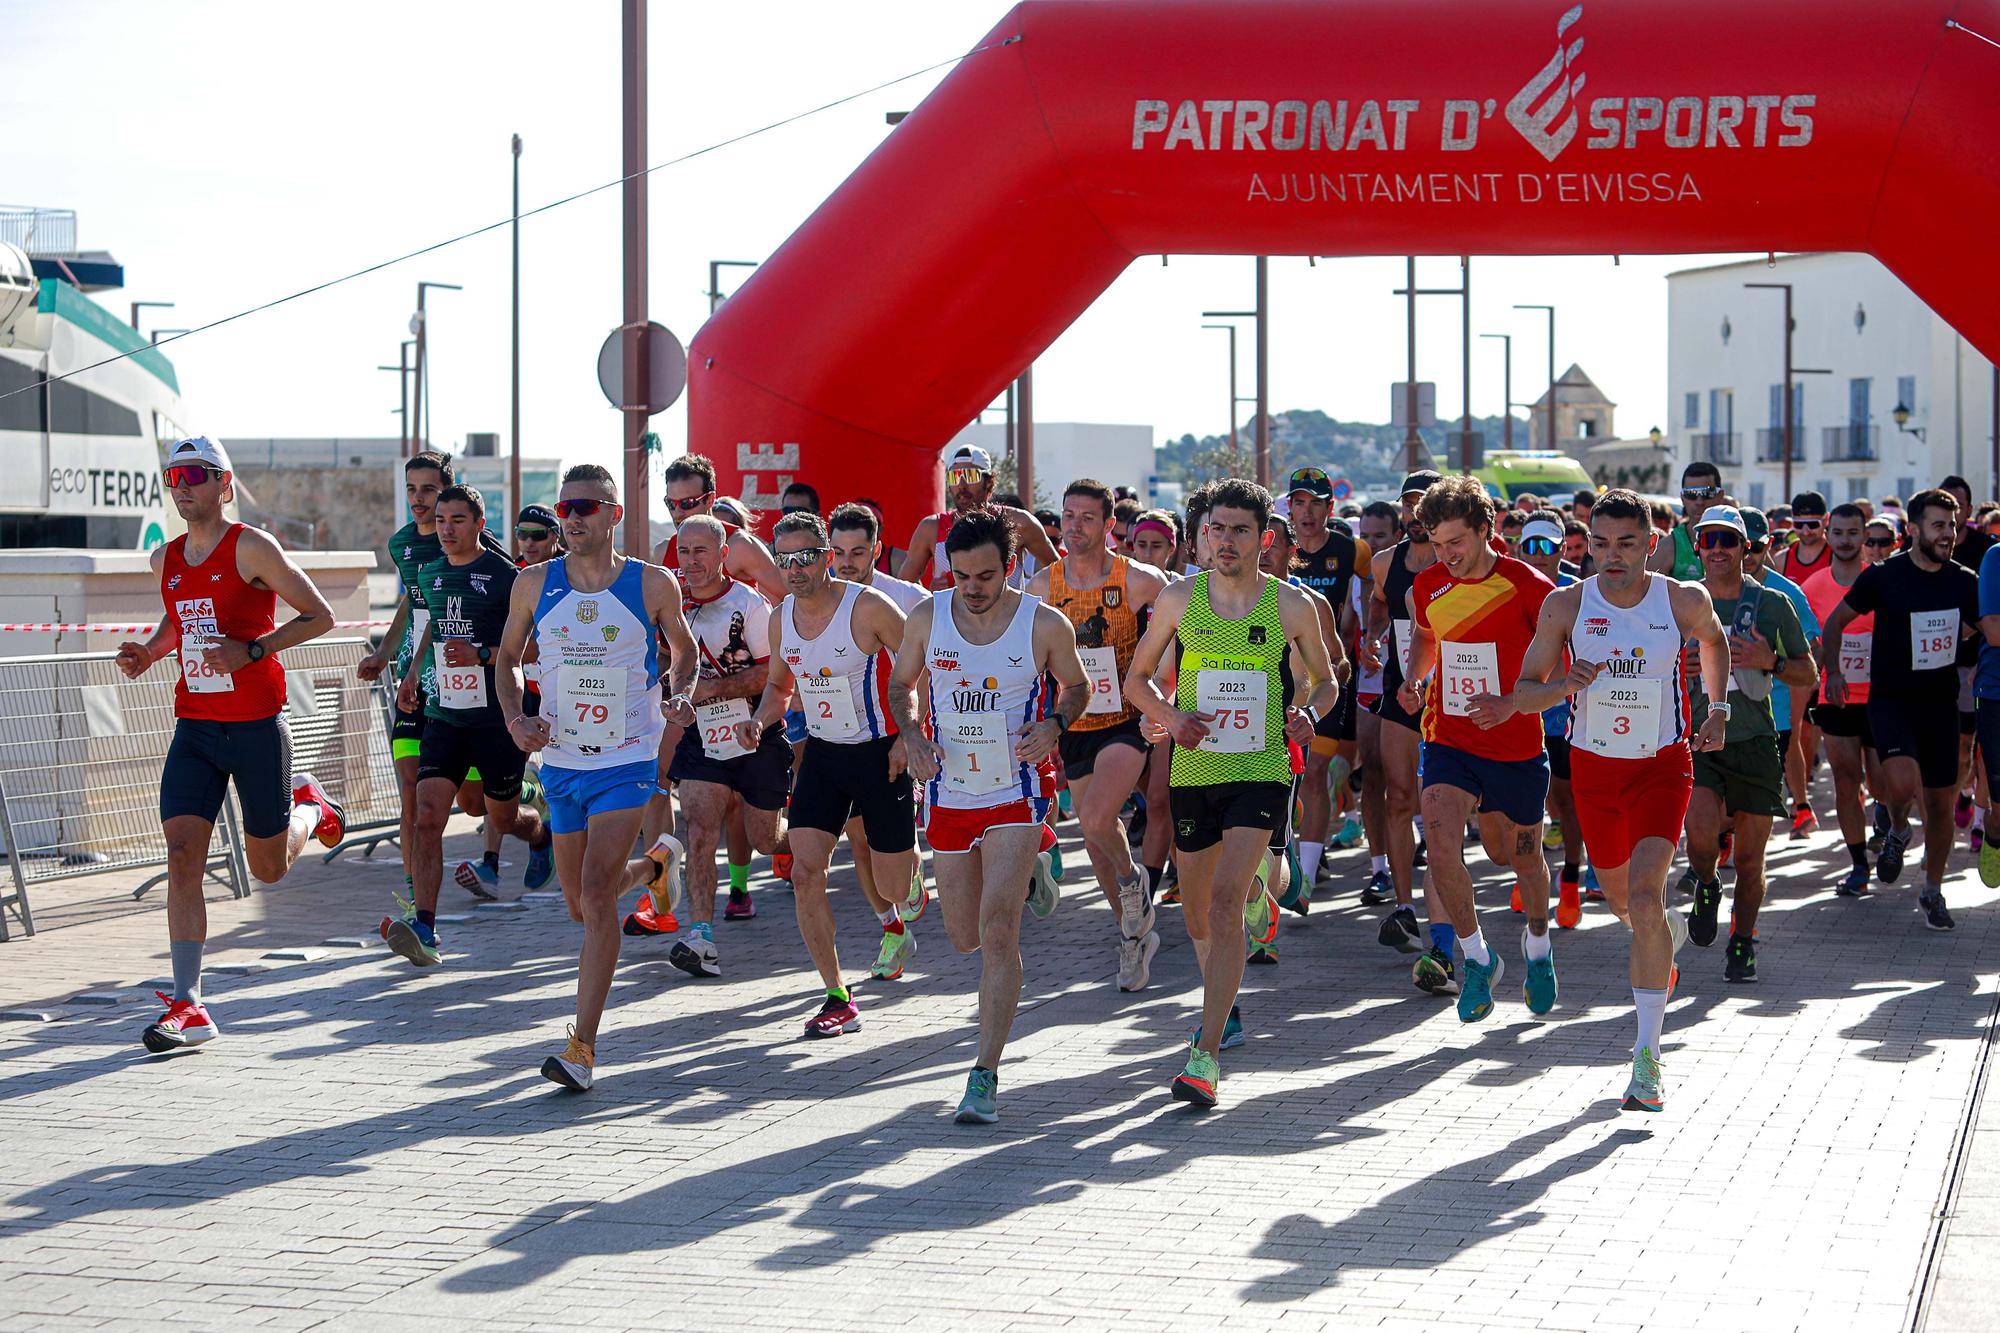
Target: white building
column 1066, row 450
column 1884, row 347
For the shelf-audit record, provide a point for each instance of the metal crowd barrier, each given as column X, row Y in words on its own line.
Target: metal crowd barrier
column 82, row 750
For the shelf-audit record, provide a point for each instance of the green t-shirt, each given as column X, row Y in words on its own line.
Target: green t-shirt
column 409, row 552
column 1778, row 622
column 467, row 602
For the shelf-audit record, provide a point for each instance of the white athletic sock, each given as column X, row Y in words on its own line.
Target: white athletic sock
column 1652, row 1012
column 889, row 916
column 1538, row 946
column 1418, row 820
column 1979, row 817
column 1309, row 854
column 311, row 813
column 1377, row 864
column 1475, row 948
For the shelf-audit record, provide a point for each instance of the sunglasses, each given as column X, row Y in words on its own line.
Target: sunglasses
column 963, row 476
column 684, row 506
column 533, row 534
column 1700, row 492
column 1807, row 524
column 1720, row 539
column 1879, row 541
column 583, row 508
column 1539, row 546
column 801, row 558
column 190, row 474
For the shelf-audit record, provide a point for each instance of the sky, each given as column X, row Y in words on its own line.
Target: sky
column 229, row 153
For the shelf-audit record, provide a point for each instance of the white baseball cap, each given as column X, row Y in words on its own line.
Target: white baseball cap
column 199, row 449
column 1543, row 527
column 973, row 454
column 1723, row 516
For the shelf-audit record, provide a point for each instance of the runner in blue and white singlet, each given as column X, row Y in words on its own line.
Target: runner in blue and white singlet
column 600, row 672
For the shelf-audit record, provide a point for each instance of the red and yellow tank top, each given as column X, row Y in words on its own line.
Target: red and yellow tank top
column 213, row 601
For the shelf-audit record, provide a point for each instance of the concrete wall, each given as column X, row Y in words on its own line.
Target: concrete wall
column 326, row 508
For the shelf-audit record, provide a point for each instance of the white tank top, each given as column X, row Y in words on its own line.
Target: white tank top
column 599, row 670
column 904, row 595
column 980, row 695
column 842, row 691
column 1638, row 704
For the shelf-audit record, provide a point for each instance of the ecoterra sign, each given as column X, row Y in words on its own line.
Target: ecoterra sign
column 1549, row 112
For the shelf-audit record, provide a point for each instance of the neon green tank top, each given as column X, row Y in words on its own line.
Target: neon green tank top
column 1238, row 671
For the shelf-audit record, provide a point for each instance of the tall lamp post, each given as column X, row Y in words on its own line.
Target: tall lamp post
column 514, row 385
column 1507, row 394
column 1552, row 368
column 1262, row 457
column 1410, row 291
column 420, row 439
column 402, row 369
column 1790, row 426
column 138, row 305
column 638, row 503
column 715, row 267
column 1235, row 400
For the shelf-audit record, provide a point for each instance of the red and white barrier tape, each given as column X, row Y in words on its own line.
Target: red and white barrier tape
column 58, row 627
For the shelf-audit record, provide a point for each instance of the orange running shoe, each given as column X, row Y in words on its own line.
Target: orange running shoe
column 1518, row 905
column 1569, row 905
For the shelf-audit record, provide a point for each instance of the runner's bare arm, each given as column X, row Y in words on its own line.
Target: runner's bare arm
column 262, row 562
column 917, row 559
column 1038, row 586
column 910, row 668
column 1143, row 585
column 1033, row 537
column 1660, row 560
column 878, row 623
column 134, row 658
column 1423, row 656
column 749, row 561
column 770, row 709
column 521, row 603
column 663, row 605
column 1332, row 633
column 1694, row 614
column 373, row 665
column 1055, row 653
column 1534, row 690
column 1379, row 613
column 1301, row 614
column 1187, row 729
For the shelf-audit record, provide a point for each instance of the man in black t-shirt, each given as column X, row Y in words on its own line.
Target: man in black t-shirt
column 1926, row 609
column 1327, row 560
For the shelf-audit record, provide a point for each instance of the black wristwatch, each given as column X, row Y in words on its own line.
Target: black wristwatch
column 256, row 650
column 485, row 655
column 1062, row 723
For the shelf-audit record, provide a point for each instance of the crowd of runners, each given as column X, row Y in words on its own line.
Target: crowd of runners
column 1216, row 696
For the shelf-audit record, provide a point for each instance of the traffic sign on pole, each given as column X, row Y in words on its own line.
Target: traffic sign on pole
column 667, row 369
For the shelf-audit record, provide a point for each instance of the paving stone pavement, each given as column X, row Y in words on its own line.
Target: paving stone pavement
column 371, row 1147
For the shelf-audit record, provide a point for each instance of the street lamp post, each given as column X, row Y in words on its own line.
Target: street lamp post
column 1507, row 394
column 1552, row 368
column 1790, row 426
column 1235, row 401
column 1261, row 462
column 1463, row 291
column 421, row 329
column 638, row 392
column 402, row 369
column 137, row 305
column 1262, row 315
column 514, row 385
column 158, row 334
column 715, row 267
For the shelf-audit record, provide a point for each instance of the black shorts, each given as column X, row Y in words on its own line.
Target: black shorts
column 1389, row 710
column 407, row 731
column 1079, row 749
column 763, row 778
column 1281, row 836
column 1558, row 748
column 451, row 752
column 837, row 782
column 1202, row 813
column 1847, row 720
column 1923, row 730
column 205, row 756
column 1343, row 715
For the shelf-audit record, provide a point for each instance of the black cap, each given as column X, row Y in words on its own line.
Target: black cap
column 541, row 514
column 1313, row 481
column 1419, row 481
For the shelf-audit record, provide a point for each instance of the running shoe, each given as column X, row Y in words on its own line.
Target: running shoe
column 1423, row 856
column 1989, row 864
column 534, row 797
column 1552, row 836
column 1197, row 1082
column 981, row 1103
column 1569, row 905
column 332, row 826
column 1297, row 897
column 1677, row 931
column 1379, row 889
column 1592, row 890
column 1042, row 886
column 1170, row 886
column 1232, row 1031
column 1063, row 803
column 648, row 920
column 1055, row 859
column 575, row 1068
column 1433, row 973
column 1701, row 917
column 1515, row 903
column 1539, row 990
column 1475, row 999
column 918, row 898
column 1739, row 961
column 1648, row 1089
column 668, row 854
column 1961, row 814
column 1135, row 961
column 781, row 866
column 739, row 907
column 696, row 955
column 1349, row 836
column 478, row 878
column 898, row 948
column 1889, row 865
column 1854, row 883
column 1401, row 932
column 1878, row 825
column 1974, row 838
column 1726, row 846
column 1687, row 882
column 835, row 1018
column 413, row 940
column 1804, row 822
column 1262, row 955
column 1136, row 917
column 541, row 865
column 186, row 1023
column 1260, row 916
column 1935, row 915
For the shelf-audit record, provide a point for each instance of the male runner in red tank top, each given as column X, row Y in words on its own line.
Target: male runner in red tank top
column 221, row 583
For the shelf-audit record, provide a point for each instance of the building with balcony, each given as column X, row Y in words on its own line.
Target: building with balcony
column 1868, row 347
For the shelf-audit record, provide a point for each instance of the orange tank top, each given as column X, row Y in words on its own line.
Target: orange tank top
column 1107, row 630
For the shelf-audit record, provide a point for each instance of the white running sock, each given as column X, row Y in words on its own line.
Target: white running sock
column 1377, row 864
column 889, row 916
column 1475, row 948
column 1537, row 947
column 1418, row 820
column 1652, row 1011
column 1309, row 854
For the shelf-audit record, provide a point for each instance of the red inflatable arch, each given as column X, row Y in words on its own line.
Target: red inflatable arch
column 1095, row 131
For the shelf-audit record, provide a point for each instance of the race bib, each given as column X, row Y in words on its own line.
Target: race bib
column 202, row 678
column 718, row 727
column 1402, row 630
column 1933, row 639
column 592, row 713
column 1857, row 653
column 1622, row 716
column 978, row 753
column 459, row 687
column 1466, row 671
column 419, row 622
column 1234, row 703
column 1100, row 668
column 828, row 704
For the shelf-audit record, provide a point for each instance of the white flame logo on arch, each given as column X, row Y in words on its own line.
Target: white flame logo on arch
column 1551, row 125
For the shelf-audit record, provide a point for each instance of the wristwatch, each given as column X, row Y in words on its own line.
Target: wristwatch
column 1722, row 710
column 256, row 650
column 485, row 655
column 1312, row 714
column 1062, row 723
